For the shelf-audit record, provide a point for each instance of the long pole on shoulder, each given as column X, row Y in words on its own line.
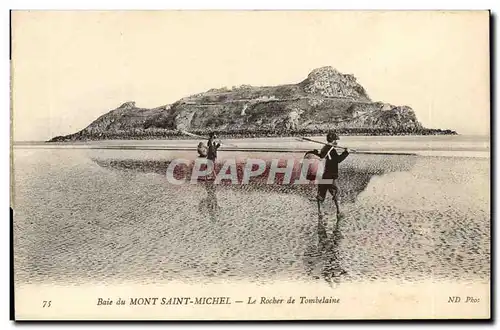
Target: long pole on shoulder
column 315, row 141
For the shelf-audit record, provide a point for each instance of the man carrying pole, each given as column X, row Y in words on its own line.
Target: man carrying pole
column 331, row 170
column 212, row 146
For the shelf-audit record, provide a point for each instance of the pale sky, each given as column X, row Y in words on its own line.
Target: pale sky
column 71, row 67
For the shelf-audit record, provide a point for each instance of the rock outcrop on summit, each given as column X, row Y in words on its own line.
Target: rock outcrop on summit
column 326, row 99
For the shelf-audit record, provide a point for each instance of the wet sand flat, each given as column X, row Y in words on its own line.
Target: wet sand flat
column 76, row 221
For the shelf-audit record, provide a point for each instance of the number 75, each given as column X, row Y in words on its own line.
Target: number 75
column 46, row 303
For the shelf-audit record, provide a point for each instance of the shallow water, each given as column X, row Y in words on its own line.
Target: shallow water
column 87, row 216
column 440, row 145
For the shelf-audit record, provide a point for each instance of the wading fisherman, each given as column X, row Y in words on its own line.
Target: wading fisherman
column 212, row 146
column 331, row 170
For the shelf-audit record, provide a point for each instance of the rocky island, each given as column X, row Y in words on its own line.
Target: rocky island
column 327, row 99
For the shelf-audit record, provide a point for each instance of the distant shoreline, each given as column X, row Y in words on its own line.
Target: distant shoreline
column 243, row 134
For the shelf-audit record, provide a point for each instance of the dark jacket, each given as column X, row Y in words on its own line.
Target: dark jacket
column 332, row 161
column 212, row 149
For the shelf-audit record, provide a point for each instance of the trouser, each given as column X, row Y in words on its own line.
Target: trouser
column 213, row 172
column 324, row 188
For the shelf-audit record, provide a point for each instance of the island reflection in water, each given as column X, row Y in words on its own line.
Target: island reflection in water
column 321, row 256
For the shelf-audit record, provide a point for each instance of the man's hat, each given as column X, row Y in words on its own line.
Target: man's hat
column 332, row 136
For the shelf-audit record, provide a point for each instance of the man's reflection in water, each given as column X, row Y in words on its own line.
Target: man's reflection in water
column 328, row 249
column 209, row 204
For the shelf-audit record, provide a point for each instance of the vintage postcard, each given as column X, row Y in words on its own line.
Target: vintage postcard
column 251, row 165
